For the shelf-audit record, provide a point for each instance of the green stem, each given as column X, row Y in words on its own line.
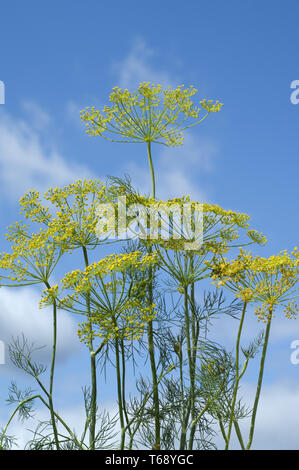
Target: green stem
column 149, row 154
column 260, row 380
column 193, row 357
column 239, row 434
column 52, row 372
column 124, row 385
column 155, row 381
column 63, row 424
column 237, row 380
column 93, row 397
column 185, row 416
column 138, row 417
column 27, row 400
column 222, row 428
column 120, row 397
column 183, row 439
column 150, row 334
column 189, row 354
column 183, row 428
column 12, row 416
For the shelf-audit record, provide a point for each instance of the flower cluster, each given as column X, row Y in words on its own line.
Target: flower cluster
column 67, row 222
column 50, row 295
column 118, row 306
column 33, row 256
column 219, row 226
column 128, row 323
column 269, row 281
column 148, row 115
column 66, row 218
column 83, row 281
column 177, row 218
column 72, row 214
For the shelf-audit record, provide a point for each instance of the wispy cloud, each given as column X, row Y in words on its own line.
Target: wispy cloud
column 276, row 422
column 20, row 315
column 73, row 416
column 26, row 163
column 277, row 418
column 137, row 67
column 72, row 111
column 283, row 330
column 37, row 116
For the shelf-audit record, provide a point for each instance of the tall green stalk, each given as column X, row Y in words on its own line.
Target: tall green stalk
column 191, row 374
column 120, row 396
column 123, row 383
column 183, row 415
column 51, row 406
column 93, row 397
column 260, row 380
column 194, row 340
column 32, row 398
column 150, row 333
column 150, row 161
column 237, row 379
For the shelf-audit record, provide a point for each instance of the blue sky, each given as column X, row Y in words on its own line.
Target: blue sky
column 58, row 57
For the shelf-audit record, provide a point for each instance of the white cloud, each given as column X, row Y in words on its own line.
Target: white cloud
column 73, row 416
column 20, row 314
column 73, row 112
column 25, row 163
column 36, row 115
column 276, row 427
column 282, row 329
column 277, row 419
column 136, row 68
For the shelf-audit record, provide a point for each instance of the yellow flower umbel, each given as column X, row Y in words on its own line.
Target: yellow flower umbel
column 220, row 227
column 117, row 302
column 71, row 212
column 148, row 115
column 269, row 281
column 33, row 256
column 220, row 230
column 60, row 221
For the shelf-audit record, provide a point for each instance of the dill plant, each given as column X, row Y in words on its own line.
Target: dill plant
column 142, row 304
